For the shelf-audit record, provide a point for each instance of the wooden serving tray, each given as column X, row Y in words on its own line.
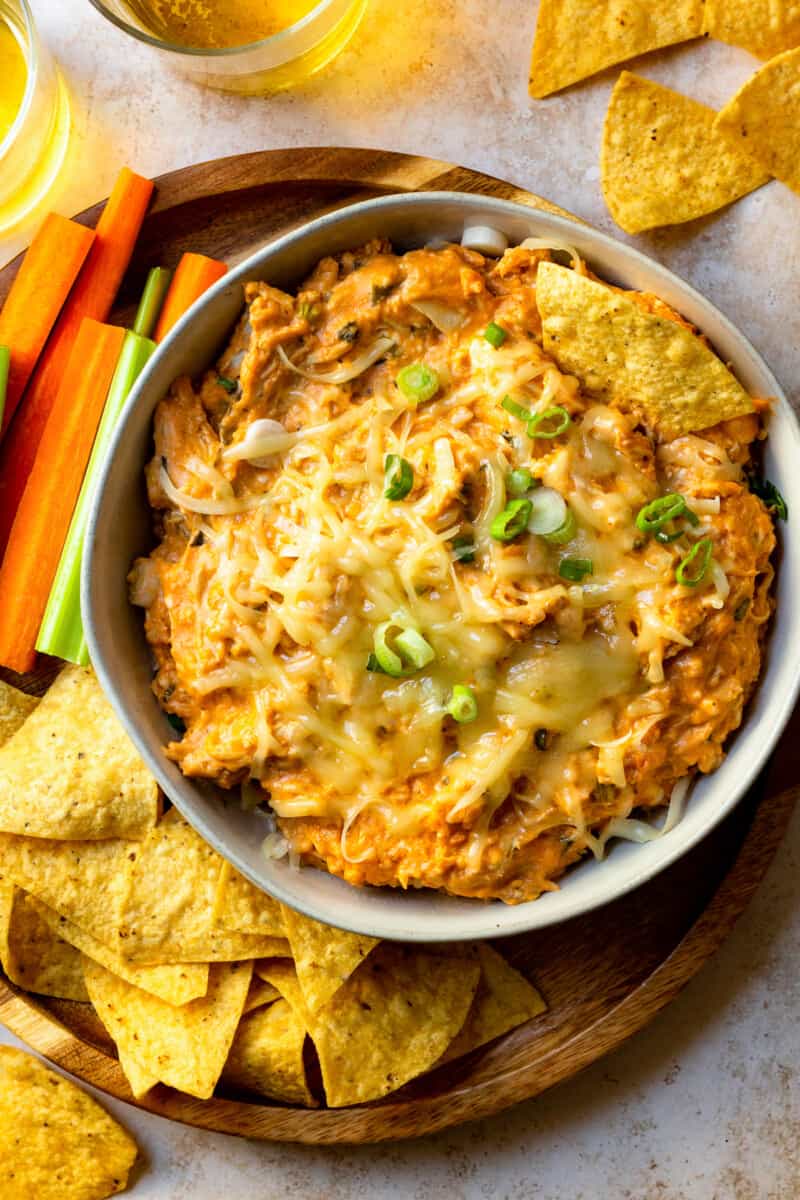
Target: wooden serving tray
column 605, row 975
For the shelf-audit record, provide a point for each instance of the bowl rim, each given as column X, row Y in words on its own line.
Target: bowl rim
column 529, row 915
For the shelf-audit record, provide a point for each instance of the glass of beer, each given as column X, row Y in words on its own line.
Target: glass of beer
column 34, row 115
column 249, row 46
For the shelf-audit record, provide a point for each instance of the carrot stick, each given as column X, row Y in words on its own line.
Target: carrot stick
column 194, row 275
column 92, row 296
column 42, row 521
column 43, row 282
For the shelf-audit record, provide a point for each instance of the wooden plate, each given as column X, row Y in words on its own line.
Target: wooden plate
column 604, row 976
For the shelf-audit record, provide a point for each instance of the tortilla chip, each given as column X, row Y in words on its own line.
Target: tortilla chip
column 81, row 880
column 281, row 973
column 662, row 162
column 391, row 1021
column 643, row 362
column 56, row 1143
column 184, row 1047
column 764, row 27
column 175, row 984
column 32, row 955
column 578, row 38
column 260, row 995
column 71, row 772
column 243, row 908
column 763, row 118
column 267, row 1055
column 324, row 957
column 15, row 708
column 503, row 1000
column 167, row 905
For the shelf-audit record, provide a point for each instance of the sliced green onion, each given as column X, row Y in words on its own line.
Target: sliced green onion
column 659, row 512
column 5, row 363
column 61, row 632
column 414, row 648
column 374, row 665
column 541, row 739
column 515, row 409
column 227, row 385
column 398, row 477
column 512, row 521
column 495, row 334
column 693, row 569
column 665, row 538
column 155, row 289
column 519, row 481
column 462, row 705
column 575, row 569
column 740, row 612
column 565, row 532
column 463, row 548
column 418, row 382
column 554, row 413
column 307, row 311
column 548, row 511
column 770, row 496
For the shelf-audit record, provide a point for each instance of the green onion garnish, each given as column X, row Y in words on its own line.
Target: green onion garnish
column 740, row 612
column 462, row 705
column 155, row 289
column 512, row 521
column 61, row 632
column 227, row 385
column 575, row 569
column 307, row 311
column 418, row 382
column 658, row 513
column 565, row 532
column 555, row 413
column 515, row 409
column 463, row 548
column 411, row 648
column 541, row 739
column 374, row 665
column 684, row 572
column 495, row 334
column 519, row 481
column 770, row 496
column 398, row 477
column 5, row 363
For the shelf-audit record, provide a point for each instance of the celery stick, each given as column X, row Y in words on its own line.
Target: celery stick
column 5, row 363
column 61, row 632
column 155, row 289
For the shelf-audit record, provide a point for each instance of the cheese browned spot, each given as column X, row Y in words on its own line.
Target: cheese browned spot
column 271, row 576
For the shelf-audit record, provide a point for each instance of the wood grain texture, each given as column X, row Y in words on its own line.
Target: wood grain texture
column 604, row 975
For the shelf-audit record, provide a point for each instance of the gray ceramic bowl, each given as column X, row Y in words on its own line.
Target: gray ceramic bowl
column 120, row 529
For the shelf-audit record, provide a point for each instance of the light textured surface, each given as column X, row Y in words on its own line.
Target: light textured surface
column 705, row 1103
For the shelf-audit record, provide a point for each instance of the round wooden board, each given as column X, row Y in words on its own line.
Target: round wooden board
column 604, row 976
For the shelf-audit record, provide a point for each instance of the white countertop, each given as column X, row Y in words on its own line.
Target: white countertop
column 705, row 1103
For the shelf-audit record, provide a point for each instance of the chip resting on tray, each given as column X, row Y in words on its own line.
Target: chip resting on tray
column 578, row 38
column 56, row 1143
column 620, row 352
column 32, row 954
column 503, row 1000
column 77, row 769
column 243, row 908
column 763, row 118
column 662, row 161
column 267, row 1055
column 185, row 1047
column 764, row 27
column 324, row 957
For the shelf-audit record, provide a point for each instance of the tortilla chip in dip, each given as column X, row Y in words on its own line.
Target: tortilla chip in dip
column 391, row 1021
column 324, row 957
column 81, row 880
column 662, row 162
column 763, row 118
column 578, row 38
column 184, row 1047
column 176, row 983
column 267, row 1055
column 71, row 772
column 168, row 900
column 32, row 955
column 504, row 999
column 643, row 362
column 56, row 1143
column 15, row 708
column 244, row 908
column 764, row 27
